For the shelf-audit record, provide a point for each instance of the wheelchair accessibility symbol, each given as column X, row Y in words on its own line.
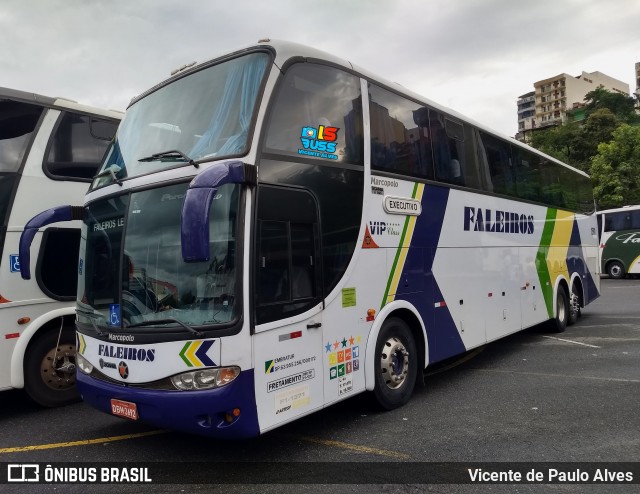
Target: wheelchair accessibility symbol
column 14, row 263
column 114, row 314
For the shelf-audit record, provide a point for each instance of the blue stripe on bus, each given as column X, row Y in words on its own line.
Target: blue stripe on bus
column 575, row 253
column 442, row 333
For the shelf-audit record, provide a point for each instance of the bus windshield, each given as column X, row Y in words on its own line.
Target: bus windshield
column 155, row 285
column 202, row 117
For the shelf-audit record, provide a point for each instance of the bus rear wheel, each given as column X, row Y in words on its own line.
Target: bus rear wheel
column 615, row 270
column 575, row 303
column 396, row 364
column 560, row 321
column 50, row 368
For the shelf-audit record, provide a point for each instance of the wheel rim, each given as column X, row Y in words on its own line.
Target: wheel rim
column 394, row 363
column 58, row 367
column 615, row 271
column 562, row 310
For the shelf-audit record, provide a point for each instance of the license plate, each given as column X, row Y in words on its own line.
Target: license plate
column 124, row 409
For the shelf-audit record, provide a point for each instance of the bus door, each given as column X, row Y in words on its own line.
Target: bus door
column 288, row 305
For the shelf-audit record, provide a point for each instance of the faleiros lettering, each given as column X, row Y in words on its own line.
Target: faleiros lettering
column 488, row 220
column 127, row 353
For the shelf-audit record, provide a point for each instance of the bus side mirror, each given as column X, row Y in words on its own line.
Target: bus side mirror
column 194, row 220
column 53, row 215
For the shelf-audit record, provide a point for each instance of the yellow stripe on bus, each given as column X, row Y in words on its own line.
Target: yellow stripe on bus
column 560, row 240
column 404, row 248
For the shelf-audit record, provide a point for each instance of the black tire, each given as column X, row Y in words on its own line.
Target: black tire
column 50, row 381
column 561, row 319
column 396, row 364
column 575, row 303
column 615, row 270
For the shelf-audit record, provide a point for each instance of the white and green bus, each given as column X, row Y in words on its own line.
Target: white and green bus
column 50, row 148
column 619, row 231
column 276, row 230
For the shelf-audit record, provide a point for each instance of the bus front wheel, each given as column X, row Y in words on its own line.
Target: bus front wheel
column 50, row 368
column 615, row 270
column 396, row 364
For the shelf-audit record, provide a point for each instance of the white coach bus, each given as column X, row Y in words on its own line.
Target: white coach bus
column 49, row 151
column 276, row 230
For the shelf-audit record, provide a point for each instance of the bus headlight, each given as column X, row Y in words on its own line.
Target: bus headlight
column 83, row 364
column 205, row 379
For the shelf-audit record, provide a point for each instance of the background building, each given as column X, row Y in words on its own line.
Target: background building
column 555, row 96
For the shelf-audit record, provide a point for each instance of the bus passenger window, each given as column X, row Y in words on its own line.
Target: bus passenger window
column 400, row 140
column 317, row 114
column 496, row 157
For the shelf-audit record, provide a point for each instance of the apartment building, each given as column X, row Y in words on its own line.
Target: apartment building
column 552, row 98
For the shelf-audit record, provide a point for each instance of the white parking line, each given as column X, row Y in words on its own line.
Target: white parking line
column 545, row 374
column 569, row 341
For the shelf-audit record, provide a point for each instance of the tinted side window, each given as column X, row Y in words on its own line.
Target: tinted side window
column 58, row 263
column 17, row 123
column 495, row 154
column 78, row 146
column 453, row 151
column 289, row 261
column 317, row 114
column 400, row 139
column 528, row 174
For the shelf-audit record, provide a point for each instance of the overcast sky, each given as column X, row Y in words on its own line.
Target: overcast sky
column 475, row 56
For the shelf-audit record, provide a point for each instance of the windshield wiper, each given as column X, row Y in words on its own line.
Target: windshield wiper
column 92, row 316
column 174, row 153
column 167, row 320
column 111, row 170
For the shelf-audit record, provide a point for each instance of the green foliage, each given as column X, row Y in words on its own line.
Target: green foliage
column 623, row 107
column 576, row 143
column 615, row 169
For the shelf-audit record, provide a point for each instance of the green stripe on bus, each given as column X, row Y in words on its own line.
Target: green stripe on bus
column 395, row 260
column 541, row 259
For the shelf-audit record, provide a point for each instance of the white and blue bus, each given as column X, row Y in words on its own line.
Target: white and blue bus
column 276, row 230
column 50, row 148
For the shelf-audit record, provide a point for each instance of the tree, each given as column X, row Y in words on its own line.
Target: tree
column 615, row 169
column 598, row 128
column 558, row 142
column 620, row 105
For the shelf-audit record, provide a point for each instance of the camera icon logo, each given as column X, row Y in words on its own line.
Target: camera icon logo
column 23, row 472
column 309, row 132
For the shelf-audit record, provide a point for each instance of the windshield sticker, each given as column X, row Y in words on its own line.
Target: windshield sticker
column 14, row 263
column 319, row 142
column 114, row 314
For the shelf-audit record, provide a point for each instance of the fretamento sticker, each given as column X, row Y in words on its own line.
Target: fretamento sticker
column 290, row 380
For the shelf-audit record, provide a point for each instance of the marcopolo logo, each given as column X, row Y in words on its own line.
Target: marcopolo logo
column 489, row 220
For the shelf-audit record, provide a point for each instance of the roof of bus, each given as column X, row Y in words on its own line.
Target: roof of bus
column 57, row 103
column 631, row 207
column 286, row 50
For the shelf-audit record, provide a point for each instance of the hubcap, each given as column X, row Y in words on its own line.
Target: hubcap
column 394, row 363
column 615, row 270
column 561, row 310
column 58, row 368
